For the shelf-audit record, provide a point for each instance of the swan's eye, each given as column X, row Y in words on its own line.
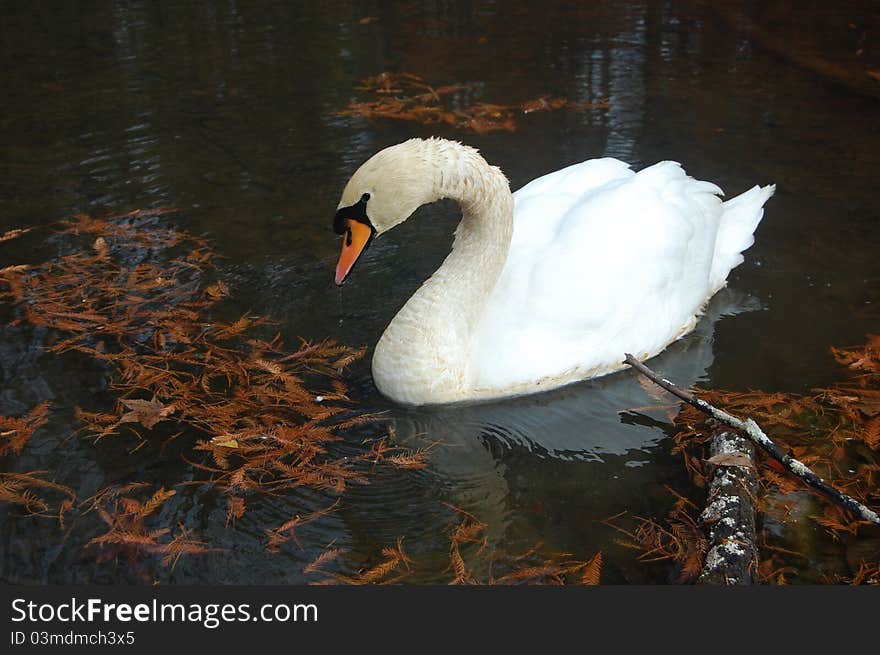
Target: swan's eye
column 365, row 197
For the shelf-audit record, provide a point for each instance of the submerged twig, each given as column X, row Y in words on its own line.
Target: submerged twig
column 754, row 432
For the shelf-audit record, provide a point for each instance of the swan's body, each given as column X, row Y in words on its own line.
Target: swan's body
column 549, row 285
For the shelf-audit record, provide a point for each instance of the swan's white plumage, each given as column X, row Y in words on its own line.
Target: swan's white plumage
column 605, row 261
column 602, row 261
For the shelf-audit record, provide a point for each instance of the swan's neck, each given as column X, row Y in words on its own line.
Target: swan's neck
column 479, row 251
column 433, row 330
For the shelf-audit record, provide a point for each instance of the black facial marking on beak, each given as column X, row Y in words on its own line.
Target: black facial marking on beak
column 356, row 212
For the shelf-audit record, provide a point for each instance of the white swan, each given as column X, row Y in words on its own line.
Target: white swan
column 547, row 286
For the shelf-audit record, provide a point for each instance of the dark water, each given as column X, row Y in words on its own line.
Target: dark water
column 226, row 111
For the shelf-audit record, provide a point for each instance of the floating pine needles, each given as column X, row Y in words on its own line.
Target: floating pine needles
column 30, row 492
column 408, row 97
column 16, row 432
column 138, row 298
column 678, row 539
column 129, row 537
column 471, row 561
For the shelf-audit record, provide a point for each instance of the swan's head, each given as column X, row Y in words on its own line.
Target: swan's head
column 381, row 194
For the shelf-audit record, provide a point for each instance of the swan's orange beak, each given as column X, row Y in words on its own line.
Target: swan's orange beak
column 357, row 238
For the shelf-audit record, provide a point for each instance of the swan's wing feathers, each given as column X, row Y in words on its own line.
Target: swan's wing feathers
column 635, row 236
column 575, row 179
column 624, row 263
column 739, row 220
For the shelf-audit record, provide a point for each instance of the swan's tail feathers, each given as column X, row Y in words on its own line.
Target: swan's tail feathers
column 739, row 220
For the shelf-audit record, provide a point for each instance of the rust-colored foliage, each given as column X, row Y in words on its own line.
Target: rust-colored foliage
column 679, row 539
column 867, row 573
column 772, row 570
column 128, row 536
column 469, row 553
column 15, row 432
column 265, row 430
column 469, row 531
column 471, row 562
column 268, row 414
column 534, row 567
column 393, row 568
column 405, row 458
column 14, row 234
column 863, row 358
column 287, row 530
column 408, row 97
column 21, row 489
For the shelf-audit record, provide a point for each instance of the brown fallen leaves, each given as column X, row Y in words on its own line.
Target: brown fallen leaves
column 408, row 97
column 287, row 530
column 15, row 432
column 866, row 574
column 265, row 430
column 268, row 415
column 14, row 234
column 865, row 358
column 679, row 539
column 468, row 549
column 128, row 536
column 471, row 562
column 105, row 306
column 393, row 568
column 145, row 412
column 29, row 491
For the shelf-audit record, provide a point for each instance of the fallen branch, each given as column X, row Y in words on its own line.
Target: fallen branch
column 729, row 517
column 754, row 432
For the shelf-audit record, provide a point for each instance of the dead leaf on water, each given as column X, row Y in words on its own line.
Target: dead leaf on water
column 731, row 459
column 146, row 412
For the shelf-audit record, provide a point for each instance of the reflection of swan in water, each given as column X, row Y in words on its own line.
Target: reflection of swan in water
column 577, row 422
